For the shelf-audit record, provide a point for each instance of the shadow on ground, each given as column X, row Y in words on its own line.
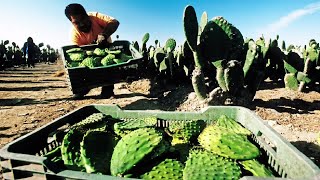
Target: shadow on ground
column 296, row 106
column 166, row 100
column 312, row 149
column 38, row 88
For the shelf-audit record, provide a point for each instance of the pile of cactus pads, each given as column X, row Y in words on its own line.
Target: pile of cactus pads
column 78, row 57
column 141, row 148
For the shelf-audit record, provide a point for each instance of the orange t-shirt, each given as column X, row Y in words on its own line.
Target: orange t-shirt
column 99, row 22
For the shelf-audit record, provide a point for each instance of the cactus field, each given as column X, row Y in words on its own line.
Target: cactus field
column 30, row 98
column 214, row 65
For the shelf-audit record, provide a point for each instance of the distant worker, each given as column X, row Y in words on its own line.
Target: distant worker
column 91, row 28
column 29, row 52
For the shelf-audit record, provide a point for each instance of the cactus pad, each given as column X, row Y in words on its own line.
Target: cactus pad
column 227, row 144
column 231, row 125
column 190, row 24
column 167, row 169
column 202, row 164
column 221, row 40
column 170, row 45
column 123, row 127
column 186, row 130
column 96, row 151
column 256, row 168
column 133, row 148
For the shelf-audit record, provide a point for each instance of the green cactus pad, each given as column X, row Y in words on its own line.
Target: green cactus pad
column 232, row 125
column 203, row 21
column 133, row 148
column 220, row 65
column 95, row 120
column 190, row 25
column 92, row 62
column 76, row 56
column 145, row 38
column 234, row 77
column 221, row 40
column 291, row 82
column 73, row 50
column 108, row 60
column 167, row 169
column 303, row 77
column 202, row 164
column 198, row 83
column 186, row 130
column 124, row 127
column 99, row 52
column 70, row 149
column 170, row 45
column 227, row 144
column 96, row 151
column 256, row 168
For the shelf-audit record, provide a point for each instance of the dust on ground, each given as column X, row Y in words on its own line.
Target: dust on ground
column 33, row 97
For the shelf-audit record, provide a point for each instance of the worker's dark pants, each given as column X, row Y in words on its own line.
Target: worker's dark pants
column 30, row 61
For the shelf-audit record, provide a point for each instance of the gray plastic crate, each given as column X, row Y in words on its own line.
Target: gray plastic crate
column 22, row 157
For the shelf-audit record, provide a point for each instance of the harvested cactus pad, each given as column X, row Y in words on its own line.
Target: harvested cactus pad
column 227, row 144
column 203, row 164
column 167, row 169
column 185, row 130
column 232, row 125
column 256, row 168
column 133, row 148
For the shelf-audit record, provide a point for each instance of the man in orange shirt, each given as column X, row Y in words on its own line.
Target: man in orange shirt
column 89, row 28
column 92, row 27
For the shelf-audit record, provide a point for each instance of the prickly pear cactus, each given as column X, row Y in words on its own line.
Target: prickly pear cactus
column 133, row 148
column 227, row 144
column 291, row 81
column 70, row 149
column 98, row 121
column 124, row 127
column 96, row 150
column 232, row 125
column 221, row 40
column 167, row 169
column 186, row 130
column 203, row 164
column 256, row 168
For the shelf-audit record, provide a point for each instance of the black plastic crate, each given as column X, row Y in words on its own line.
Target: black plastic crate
column 82, row 79
column 22, row 158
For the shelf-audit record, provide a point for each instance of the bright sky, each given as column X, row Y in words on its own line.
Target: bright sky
column 296, row 21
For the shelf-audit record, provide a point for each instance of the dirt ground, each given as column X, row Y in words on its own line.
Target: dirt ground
column 30, row 98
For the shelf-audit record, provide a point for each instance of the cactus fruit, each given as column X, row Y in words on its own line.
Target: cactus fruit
column 167, row 169
column 203, row 164
column 133, row 148
column 227, row 144
column 256, row 168
column 96, row 150
column 232, row 125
